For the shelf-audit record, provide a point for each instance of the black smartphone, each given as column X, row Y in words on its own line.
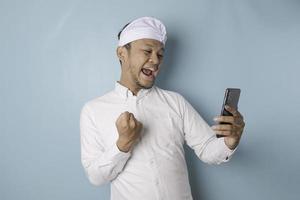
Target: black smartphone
column 231, row 98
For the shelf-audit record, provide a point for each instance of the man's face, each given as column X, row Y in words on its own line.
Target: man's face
column 141, row 63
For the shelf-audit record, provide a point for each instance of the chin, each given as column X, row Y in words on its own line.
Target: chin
column 146, row 86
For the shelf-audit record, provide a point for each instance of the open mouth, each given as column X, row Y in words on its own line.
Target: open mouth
column 147, row 72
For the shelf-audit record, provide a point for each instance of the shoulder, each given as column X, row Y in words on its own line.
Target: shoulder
column 98, row 101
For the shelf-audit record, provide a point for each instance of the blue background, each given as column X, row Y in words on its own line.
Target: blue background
column 57, row 55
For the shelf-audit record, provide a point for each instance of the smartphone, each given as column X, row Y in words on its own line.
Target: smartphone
column 231, row 98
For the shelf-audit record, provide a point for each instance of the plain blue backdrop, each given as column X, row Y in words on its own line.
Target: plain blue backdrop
column 57, row 55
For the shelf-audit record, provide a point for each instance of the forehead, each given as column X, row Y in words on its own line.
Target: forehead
column 148, row 43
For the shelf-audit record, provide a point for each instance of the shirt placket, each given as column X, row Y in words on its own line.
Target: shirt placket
column 132, row 102
column 152, row 159
column 156, row 179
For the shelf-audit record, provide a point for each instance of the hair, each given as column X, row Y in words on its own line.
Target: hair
column 128, row 45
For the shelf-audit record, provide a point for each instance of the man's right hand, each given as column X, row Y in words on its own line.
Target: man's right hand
column 129, row 131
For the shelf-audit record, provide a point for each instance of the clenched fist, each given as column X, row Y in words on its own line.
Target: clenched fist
column 129, row 131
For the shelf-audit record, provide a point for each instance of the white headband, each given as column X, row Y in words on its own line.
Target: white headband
column 143, row 28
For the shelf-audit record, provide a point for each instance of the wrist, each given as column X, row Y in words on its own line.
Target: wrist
column 123, row 145
column 231, row 143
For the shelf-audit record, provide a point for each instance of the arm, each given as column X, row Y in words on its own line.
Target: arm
column 201, row 138
column 101, row 164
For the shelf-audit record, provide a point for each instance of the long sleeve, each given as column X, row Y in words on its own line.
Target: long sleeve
column 201, row 138
column 101, row 164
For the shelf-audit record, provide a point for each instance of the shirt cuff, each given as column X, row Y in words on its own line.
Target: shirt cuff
column 118, row 155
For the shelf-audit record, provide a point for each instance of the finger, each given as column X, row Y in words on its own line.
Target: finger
column 133, row 118
column 139, row 125
column 230, row 124
column 125, row 115
column 224, row 119
column 130, row 115
column 223, row 127
column 232, row 110
column 223, row 133
column 239, row 123
column 122, row 117
column 240, row 115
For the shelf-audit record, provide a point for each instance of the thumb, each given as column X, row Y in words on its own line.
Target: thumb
column 132, row 122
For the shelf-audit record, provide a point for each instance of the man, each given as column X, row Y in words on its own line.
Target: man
column 133, row 136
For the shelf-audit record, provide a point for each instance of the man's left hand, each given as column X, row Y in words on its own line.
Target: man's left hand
column 232, row 129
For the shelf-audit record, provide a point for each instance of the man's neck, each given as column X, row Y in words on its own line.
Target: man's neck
column 133, row 89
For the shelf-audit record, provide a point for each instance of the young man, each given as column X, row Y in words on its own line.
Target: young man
column 133, row 136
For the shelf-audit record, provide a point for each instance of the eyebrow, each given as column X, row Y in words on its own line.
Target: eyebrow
column 150, row 45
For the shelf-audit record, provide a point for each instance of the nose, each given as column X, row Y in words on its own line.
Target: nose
column 154, row 59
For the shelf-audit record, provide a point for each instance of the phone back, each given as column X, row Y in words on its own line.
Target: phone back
column 231, row 98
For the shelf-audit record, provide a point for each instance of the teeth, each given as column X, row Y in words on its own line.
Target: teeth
column 148, row 72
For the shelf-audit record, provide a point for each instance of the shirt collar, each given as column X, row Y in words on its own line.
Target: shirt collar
column 126, row 93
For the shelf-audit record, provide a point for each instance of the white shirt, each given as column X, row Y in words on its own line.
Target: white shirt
column 156, row 168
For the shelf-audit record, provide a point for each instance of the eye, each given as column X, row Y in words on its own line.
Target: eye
column 147, row 52
column 160, row 55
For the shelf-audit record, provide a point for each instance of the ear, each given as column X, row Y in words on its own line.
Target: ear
column 121, row 53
